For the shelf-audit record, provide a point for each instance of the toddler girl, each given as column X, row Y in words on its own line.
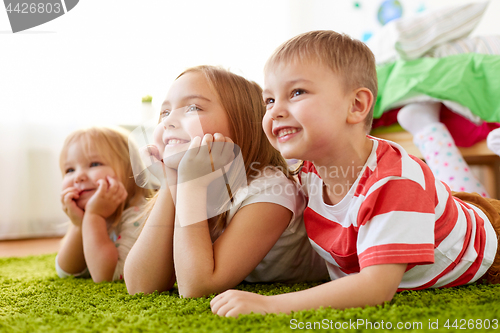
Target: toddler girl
column 261, row 238
column 103, row 202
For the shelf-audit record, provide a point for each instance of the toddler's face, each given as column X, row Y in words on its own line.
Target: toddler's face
column 306, row 110
column 82, row 172
column 191, row 109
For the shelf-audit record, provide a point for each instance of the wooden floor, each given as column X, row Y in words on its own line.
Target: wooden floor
column 27, row 247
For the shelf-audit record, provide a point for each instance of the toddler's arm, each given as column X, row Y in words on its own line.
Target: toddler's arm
column 70, row 258
column 374, row 285
column 100, row 252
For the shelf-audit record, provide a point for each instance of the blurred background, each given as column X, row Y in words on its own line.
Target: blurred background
column 93, row 65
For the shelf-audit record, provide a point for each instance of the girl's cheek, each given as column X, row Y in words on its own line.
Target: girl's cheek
column 158, row 136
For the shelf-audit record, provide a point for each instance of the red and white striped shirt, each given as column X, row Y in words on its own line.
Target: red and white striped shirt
column 397, row 212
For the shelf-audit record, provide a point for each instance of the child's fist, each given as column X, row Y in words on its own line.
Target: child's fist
column 69, row 206
column 109, row 195
column 150, row 156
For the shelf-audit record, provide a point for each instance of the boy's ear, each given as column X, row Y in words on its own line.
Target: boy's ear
column 362, row 103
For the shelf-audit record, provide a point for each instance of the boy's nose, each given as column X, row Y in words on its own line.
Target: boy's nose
column 278, row 111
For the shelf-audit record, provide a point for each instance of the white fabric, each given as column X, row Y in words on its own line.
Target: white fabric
column 124, row 236
column 478, row 44
column 410, row 38
column 291, row 259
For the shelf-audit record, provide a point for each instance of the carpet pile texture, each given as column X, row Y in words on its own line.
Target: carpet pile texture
column 34, row 299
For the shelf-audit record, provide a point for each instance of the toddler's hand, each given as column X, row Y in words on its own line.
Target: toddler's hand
column 109, row 195
column 205, row 157
column 75, row 213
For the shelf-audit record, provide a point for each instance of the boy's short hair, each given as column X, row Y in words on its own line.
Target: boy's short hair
column 351, row 59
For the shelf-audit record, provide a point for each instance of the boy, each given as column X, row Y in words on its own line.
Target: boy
column 377, row 216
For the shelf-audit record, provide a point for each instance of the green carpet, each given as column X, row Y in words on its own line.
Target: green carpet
column 34, row 299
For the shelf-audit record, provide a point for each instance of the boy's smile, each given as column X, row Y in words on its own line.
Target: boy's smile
column 307, row 110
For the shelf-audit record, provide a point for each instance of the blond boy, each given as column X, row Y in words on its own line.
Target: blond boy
column 377, row 215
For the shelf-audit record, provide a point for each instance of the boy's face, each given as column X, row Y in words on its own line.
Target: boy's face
column 306, row 110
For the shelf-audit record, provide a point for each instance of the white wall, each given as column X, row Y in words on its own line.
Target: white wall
column 93, row 65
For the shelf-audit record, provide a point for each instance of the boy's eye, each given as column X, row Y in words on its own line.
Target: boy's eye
column 164, row 113
column 268, row 101
column 297, row 92
column 68, row 170
column 192, row 108
column 94, row 164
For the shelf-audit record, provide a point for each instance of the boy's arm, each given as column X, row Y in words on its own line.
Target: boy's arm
column 100, row 251
column 372, row 286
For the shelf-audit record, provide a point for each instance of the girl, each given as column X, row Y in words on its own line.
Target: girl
column 103, row 202
column 260, row 239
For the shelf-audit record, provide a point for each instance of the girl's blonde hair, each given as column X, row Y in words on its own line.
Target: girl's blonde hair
column 111, row 145
column 243, row 103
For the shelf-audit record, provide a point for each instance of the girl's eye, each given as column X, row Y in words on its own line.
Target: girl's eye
column 164, row 113
column 192, row 108
column 94, row 164
column 68, row 170
column 297, row 92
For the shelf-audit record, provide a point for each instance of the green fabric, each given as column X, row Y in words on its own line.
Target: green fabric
column 34, row 299
column 472, row 80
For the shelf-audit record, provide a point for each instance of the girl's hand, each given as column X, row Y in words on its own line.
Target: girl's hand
column 204, row 159
column 75, row 213
column 232, row 303
column 109, row 195
column 150, row 156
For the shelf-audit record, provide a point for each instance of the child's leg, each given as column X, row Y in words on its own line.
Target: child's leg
column 438, row 148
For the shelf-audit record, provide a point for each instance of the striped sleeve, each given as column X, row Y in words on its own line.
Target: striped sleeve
column 396, row 224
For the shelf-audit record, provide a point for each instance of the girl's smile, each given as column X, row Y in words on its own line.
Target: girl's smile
column 82, row 173
column 191, row 109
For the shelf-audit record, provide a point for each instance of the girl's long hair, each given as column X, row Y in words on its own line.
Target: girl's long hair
column 242, row 101
column 112, row 145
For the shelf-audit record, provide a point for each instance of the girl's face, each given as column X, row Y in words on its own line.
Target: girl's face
column 82, row 172
column 191, row 109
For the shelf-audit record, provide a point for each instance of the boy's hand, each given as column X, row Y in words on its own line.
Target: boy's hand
column 75, row 213
column 232, row 303
column 110, row 193
column 205, row 156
